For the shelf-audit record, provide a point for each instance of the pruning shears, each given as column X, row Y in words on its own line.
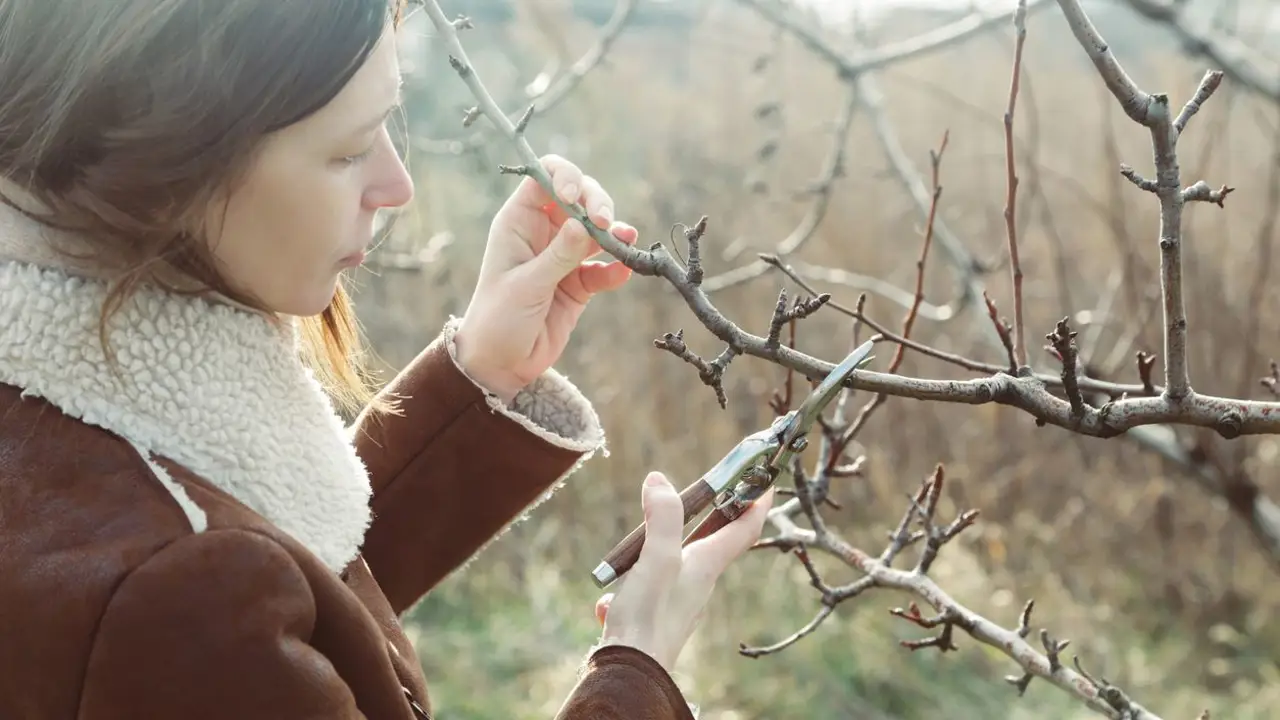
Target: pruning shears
column 745, row 472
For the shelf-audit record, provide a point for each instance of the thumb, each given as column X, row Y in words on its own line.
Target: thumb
column 660, row 555
column 563, row 254
column 602, row 607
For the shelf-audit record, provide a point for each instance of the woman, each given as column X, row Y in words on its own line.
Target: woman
column 187, row 530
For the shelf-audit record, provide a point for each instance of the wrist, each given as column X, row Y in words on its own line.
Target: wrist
column 470, row 360
column 649, row 648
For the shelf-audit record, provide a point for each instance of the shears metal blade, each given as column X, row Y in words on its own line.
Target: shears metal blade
column 746, row 471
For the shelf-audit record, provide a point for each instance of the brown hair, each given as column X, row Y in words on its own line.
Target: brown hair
column 124, row 118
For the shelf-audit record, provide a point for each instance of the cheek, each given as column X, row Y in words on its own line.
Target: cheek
column 281, row 243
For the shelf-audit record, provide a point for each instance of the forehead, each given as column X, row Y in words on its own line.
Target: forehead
column 370, row 91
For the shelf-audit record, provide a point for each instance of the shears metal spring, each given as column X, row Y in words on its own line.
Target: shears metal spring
column 751, row 467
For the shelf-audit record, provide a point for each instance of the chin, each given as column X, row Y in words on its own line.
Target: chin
column 310, row 304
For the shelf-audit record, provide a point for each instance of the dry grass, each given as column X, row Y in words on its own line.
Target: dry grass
column 1155, row 583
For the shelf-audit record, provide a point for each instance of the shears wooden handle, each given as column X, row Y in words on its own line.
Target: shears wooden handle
column 620, row 559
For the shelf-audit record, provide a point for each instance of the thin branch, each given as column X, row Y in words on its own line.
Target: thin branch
column 867, row 60
column 1098, row 695
column 1015, row 266
column 855, row 281
column 820, row 189
column 1238, row 61
column 555, row 92
column 850, row 69
column 1153, row 112
column 1115, row 390
column 908, row 322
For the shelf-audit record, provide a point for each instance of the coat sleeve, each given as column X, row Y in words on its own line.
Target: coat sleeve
column 457, row 466
column 622, row 683
column 216, row 625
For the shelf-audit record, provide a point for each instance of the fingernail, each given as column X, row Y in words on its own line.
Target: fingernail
column 654, row 479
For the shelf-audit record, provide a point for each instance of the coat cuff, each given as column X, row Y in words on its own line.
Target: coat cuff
column 551, row 407
column 456, row 468
column 621, row 681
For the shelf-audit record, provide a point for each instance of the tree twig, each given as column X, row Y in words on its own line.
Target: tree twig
column 1011, row 201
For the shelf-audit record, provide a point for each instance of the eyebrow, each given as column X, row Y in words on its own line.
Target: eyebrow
column 399, row 103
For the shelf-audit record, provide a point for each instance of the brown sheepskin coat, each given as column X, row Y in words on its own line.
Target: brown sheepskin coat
column 199, row 536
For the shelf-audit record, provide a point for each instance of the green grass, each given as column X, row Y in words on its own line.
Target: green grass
column 494, row 650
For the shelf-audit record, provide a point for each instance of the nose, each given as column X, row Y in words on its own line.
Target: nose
column 393, row 186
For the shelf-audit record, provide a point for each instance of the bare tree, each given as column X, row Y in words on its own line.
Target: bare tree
column 1069, row 399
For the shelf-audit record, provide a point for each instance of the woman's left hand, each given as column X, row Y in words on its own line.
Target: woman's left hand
column 535, row 279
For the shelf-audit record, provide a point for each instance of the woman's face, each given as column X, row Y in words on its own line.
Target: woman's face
column 305, row 212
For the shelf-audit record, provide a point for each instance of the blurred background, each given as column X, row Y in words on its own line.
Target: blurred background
column 1152, row 553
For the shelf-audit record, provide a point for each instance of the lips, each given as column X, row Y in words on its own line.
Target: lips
column 355, row 259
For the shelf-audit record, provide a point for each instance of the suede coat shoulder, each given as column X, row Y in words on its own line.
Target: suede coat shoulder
column 193, row 532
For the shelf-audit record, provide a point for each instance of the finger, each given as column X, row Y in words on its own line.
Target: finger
column 625, row 232
column 712, row 555
column 621, row 231
column 563, row 255
column 660, row 555
column 596, row 277
column 566, row 179
column 598, row 205
column 602, row 607
column 597, row 202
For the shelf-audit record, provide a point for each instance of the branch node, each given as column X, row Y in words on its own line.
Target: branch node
column 1053, row 650
column 461, row 68
column 782, row 315
column 1004, row 330
column 1201, row 192
column 1142, row 183
column 1020, row 682
column 711, row 373
column 693, row 236
column 523, row 123
column 1024, row 621
column 1063, row 339
column 1272, row 381
column 1145, row 362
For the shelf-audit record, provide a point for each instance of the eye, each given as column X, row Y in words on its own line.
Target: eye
column 358, row 158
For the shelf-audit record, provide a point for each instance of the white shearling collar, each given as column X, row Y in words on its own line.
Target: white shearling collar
column 216, row 389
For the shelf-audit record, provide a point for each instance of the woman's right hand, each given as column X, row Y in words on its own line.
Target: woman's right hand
column 659, row 602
